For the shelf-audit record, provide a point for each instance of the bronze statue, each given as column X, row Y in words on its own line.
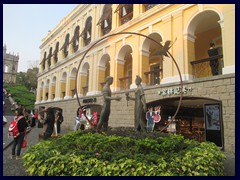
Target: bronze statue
column 104, row 116
column 140, row 105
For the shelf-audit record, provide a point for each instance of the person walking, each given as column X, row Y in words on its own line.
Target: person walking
column 34, row 117
column 49, row 121
column 17, row 142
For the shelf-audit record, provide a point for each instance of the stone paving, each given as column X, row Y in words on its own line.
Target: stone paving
column 15, row 167
column 12, row 167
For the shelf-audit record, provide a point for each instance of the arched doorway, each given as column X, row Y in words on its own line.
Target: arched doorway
column 103, row 70
column 124, row 67
column 191, row 120
column 63, row 81
column 72, row 78
column 84, row 78
column 151, row 64
column 204, row 28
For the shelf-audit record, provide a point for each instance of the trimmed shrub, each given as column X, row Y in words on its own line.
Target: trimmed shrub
column 86, row 153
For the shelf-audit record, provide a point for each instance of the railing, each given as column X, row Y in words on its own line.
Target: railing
column 155, row 76
column 125, row 82
column 85, row 90
column 208, row 66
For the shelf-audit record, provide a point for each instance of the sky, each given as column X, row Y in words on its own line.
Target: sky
column 25, row 25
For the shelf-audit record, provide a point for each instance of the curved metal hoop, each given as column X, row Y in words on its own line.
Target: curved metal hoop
column 132, row 33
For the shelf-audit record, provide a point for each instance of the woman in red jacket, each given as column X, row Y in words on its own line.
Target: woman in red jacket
column 17, row 142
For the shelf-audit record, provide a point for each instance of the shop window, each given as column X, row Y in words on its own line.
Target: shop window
column 75, row 40
column 125, row 12
column 106, row 19
column 148, row 6
column 87, row 31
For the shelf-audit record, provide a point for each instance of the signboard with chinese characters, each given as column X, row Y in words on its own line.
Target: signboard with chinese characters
column 174, row 91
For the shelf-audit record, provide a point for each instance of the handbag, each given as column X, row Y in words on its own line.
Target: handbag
column 24, row 143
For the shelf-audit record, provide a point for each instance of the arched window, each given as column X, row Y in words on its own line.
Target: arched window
column 49, row 57
column 125, row 12
column 75, row 39
column 87, row 32
column 106, row 19
column 55, row 54
column 43, row 61
column 65, row 46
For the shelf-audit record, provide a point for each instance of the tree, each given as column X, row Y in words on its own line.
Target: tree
column 28, row 79
column 32, row 78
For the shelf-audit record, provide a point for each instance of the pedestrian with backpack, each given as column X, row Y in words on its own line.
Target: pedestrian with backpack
column 18, row 136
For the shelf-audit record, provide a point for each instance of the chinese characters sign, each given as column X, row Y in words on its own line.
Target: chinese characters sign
column 174, row 91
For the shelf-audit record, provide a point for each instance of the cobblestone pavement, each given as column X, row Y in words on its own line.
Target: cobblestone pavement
column 16, row 168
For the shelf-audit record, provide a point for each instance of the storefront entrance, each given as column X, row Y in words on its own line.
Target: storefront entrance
column 191, row 120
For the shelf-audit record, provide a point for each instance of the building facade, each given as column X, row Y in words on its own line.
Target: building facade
column 89, row 44
column 10, row 66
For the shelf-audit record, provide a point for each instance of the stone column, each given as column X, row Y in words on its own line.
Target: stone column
column 228, row 37
column 167, row 63
column 144, row 66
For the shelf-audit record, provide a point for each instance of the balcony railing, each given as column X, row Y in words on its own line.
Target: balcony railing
column 202, row 67
column 125, row 82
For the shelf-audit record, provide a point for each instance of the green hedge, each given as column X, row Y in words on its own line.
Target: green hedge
column 93, row 154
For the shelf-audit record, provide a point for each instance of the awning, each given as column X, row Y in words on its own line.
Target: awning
column 44, row 59
column 76, row 35
column 66, row 42
column 88, row 25
column 106, row 13
column 119, row 7
column 55, row 52
column 49, row 55
column 64, row 45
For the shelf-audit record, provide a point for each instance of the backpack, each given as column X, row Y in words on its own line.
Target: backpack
column 61, row 119
column 13, row 128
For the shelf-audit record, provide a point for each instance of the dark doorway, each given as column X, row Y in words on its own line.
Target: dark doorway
column 190, row 119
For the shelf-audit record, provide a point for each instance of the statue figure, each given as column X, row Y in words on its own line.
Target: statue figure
column 104, row 116
column 140, row 105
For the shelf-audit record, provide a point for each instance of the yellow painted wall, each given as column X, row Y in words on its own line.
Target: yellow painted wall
column 169, row 23
column 203, row 40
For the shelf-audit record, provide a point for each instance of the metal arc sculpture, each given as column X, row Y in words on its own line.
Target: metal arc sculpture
column 164, row 51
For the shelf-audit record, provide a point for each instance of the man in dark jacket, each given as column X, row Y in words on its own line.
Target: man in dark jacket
column 213, row 63
column 50, row 123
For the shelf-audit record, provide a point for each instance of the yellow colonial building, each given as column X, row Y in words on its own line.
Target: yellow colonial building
column 90, row 44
